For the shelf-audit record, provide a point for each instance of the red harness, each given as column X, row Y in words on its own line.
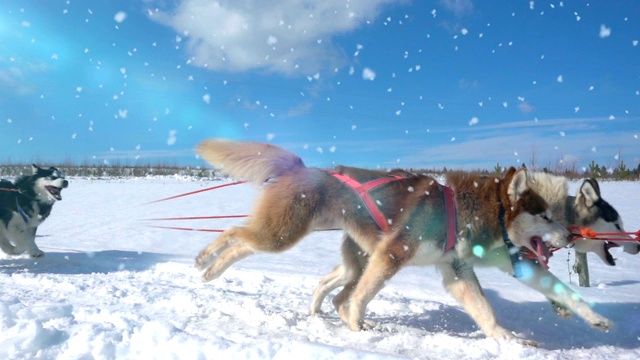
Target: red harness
column 363, row 192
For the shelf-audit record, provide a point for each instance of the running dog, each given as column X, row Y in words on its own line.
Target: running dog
column 296, row 200
column 587, row 209
column 24, row 205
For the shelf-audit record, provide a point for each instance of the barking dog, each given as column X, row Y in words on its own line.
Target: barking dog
column 295, row 200
column 24, row 205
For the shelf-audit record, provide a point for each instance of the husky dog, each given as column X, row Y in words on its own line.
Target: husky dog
column 587, row 209
column 24, row 205
column 296, row 199
column 564, row 208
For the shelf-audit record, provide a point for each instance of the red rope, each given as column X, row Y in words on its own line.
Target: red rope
column 183, row 228
column 587, row 233
column 195, row 192
column 198, row 218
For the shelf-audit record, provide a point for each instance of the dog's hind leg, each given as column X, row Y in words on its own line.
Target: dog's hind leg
column 336, row 278
column 208, row 255
column 383, row 264
column 6, row 246
column 461, row 281
column 354, row 259
column 24, row 240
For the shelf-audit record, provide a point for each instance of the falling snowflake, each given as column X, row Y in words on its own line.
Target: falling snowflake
column 604, row 31
column 172, row 137
column 368, row 74
column 120, row 16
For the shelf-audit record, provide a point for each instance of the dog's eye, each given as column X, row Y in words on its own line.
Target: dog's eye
column 545, row 217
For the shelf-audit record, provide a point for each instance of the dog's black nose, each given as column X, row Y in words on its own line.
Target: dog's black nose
column 65, row 183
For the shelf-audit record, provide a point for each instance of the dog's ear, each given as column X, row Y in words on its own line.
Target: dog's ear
column 509, row 173
column 595, row 185
column 35, row 168
column 517, row 184
column 589, row 192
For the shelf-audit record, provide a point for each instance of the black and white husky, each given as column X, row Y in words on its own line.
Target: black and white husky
column 24, row 205
column 587, row 209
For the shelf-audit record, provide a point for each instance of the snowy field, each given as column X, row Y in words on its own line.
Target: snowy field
column 110, row 287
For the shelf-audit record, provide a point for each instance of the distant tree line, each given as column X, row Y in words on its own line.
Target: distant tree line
column 112, row 171
column 619, row 172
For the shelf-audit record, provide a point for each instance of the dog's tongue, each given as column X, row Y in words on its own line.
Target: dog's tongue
column 542, row 251
column 55, row 192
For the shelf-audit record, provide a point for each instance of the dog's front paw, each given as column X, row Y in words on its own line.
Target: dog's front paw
column 528, row 342
column 603, row 324
column 36, row 253
column 367, row 325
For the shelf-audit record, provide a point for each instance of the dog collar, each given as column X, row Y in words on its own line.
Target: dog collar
column 21, row 212
column 512, row 249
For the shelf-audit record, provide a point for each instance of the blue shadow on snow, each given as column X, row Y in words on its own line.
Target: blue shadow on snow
column 106, row 261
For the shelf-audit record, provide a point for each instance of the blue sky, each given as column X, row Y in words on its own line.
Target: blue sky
column 462, row 84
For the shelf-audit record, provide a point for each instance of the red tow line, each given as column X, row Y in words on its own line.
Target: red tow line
column 195, row 192
column 589, row 234
column 193, row 217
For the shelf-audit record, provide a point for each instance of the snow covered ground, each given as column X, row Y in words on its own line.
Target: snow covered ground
column 111, row 287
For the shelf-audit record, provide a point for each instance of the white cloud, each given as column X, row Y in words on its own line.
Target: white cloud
column 291, row 37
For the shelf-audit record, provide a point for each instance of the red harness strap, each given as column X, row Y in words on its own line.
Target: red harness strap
column 363, row 192
column 452, row 223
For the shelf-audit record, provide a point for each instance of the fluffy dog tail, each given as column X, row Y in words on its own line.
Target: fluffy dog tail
column 249, row 161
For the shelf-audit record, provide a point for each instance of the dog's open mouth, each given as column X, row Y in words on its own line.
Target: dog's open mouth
column 542, row 251
column 56, row 192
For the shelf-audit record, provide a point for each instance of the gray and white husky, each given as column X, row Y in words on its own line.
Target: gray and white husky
column 24, row 205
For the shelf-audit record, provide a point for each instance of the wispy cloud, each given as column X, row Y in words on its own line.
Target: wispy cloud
column 290, row 37
column 458, row 7
column 12, row 79
column 524, row 143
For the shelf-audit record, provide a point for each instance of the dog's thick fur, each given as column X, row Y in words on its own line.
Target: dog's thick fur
column 295, row 200
column 586, row 209
column 24, row 205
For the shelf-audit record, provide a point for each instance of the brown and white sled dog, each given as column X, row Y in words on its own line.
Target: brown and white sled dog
column 295, row 199
column 586, row 209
